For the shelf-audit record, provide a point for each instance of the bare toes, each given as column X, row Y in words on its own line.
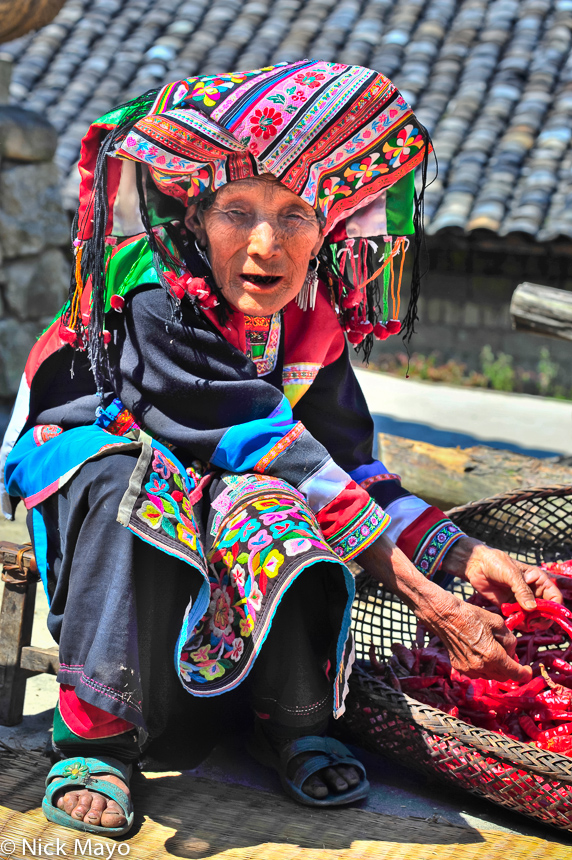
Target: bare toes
column 68, row 801
column 350, row 774
column 113, row 815
column 334, row 780
column 314, row 787
column 98, row 804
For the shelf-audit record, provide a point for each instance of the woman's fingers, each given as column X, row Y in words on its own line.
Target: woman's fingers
column 478, row 642
column 542, row 585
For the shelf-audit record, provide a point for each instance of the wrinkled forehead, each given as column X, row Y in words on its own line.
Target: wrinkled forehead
column 265, row 189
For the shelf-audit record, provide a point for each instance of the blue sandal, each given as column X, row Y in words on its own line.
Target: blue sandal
column 328, row 753
column 77, row 773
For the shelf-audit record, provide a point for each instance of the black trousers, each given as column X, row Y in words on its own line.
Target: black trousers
column 116, row 609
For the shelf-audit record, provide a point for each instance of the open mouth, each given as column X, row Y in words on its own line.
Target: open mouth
column 262, row 280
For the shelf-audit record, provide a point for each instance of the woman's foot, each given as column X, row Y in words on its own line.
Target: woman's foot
column 94, row 808
column 332, row 780
column 314, row 770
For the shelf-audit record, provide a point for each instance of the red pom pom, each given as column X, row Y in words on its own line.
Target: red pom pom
column 209, row 302
column 366, row 327
column 352, row 300
column 198, row 287
column 355, row 337
column 380, row 331
column 68, row 335
column 106, row 337
column 393, row 326
column 117, row 303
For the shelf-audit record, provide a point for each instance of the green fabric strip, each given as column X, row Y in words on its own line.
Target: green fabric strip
column 399, row 206
column 123, row 747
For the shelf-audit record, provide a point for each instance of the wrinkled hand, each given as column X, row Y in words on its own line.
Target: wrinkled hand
column 497, row 576
column 478, row 642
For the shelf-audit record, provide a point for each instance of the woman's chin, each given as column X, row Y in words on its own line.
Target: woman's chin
column 261, row 302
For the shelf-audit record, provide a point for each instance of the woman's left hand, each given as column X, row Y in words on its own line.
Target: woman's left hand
column 497, row 576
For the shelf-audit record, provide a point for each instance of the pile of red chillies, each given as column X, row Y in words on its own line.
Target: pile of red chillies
column 538, row 712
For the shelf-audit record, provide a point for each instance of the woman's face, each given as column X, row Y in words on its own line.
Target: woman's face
column 259, row 238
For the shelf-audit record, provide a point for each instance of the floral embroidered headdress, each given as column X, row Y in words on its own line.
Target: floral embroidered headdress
column 340, row 137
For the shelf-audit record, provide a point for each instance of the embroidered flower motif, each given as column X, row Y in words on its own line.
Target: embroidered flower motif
column 254, row 599
column 275, row 517
column 362, row 172
column 260, row 540
column 187, row 536
column 331, row 188
column 309, row 79
column 130, row 140
column 76, row 770
column 155, row 485
column 299, row 96
column 208, row 92
column 272, row 563
column 198, row 182
column 407, row 139
column 215, row 670
column 201, row 655
column 295, row 546
column 163, row 465
column 246, row 627
column 151, row 514
column 237, row 575
column 237, row 650
column 265, row 122
column 222, row 614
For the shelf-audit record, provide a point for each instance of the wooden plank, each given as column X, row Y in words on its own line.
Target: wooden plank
column 542, row 310
column 16, row 618
column 40, row 660
column 447, row 477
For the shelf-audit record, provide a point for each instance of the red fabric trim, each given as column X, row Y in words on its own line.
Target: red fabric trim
column 314, row 336
column 343, row 509
column 87, row 161
column 410, row 537
column 86, row 720
column 234, row 331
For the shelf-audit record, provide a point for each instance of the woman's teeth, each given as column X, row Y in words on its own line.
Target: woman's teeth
column 263, row 280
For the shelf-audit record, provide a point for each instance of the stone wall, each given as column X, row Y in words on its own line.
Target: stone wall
column 34, row 238
column 465, row 304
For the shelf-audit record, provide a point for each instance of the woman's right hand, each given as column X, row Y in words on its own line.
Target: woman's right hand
column 478, row 642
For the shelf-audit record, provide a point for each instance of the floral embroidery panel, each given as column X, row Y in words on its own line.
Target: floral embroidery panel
column 265, row 536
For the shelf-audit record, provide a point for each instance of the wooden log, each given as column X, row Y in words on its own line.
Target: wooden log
column 40, row 660
column 18, row 18
column 447, row 477
column 16, row 619
column 542, row 310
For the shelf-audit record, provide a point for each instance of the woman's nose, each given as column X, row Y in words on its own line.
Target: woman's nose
column 263, row 242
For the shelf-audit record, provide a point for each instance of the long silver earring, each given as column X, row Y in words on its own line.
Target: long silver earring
column 306, row 298
column 202, row 254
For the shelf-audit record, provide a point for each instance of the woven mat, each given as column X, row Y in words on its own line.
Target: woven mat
column 182, row 816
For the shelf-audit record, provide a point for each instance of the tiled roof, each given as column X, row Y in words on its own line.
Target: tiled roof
column 491, row 79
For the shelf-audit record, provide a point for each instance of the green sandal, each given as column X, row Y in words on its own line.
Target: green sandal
column 75, row 773
column 328, row 752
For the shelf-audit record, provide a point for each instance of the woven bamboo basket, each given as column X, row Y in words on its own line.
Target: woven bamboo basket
column 533, row 525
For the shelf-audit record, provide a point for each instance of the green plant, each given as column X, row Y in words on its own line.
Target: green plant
column 498, row 370
column 547, row 371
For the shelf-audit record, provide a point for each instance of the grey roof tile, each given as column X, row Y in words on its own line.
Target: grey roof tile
column 491, row 79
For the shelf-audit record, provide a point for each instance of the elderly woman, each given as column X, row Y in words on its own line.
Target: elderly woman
column 196, row 454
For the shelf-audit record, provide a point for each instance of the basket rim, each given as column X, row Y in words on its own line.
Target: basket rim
column 516, row 495
column 438, row 722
